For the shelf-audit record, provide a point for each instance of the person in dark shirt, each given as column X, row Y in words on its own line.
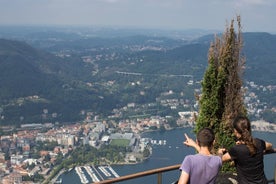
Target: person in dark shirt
column 247, row 154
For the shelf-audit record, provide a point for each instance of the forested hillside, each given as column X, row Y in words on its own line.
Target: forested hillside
column 66, row 76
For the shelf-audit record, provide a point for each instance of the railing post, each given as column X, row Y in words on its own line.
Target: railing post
column 275, row 173
column 159, row 178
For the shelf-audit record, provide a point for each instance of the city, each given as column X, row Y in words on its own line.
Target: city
column 94, row 90
column 34, row 151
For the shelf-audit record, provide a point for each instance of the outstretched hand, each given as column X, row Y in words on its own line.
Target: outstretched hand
column 189, row 141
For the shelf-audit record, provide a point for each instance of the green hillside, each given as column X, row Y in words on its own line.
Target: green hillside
column 60, row 79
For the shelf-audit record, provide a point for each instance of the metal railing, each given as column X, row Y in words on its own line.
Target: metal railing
column 159, row 172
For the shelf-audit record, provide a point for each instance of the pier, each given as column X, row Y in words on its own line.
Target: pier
column 95, row 174
column 82, row 176
column 91, row 173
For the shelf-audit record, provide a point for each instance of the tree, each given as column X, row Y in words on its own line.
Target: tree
column 146, row 152
column 222, row 93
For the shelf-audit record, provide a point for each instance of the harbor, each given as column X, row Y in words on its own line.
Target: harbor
column 94, row 174
column 170, row 152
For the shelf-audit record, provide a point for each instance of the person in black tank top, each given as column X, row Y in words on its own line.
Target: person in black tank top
column 247, row 154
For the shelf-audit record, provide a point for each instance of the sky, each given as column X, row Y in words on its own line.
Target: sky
column 256, row 15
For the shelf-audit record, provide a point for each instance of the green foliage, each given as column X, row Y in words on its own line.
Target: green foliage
column 146, row 152
column 87, row 154
column 209, row 101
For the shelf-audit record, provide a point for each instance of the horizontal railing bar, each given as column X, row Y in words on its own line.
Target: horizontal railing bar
column 158, row 170
column 141, row 174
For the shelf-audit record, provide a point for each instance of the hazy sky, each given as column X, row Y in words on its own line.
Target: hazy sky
column 257, row 15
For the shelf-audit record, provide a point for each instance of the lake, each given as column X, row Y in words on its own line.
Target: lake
column 173, row 152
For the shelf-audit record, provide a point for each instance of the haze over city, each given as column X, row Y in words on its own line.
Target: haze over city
column 257, row 15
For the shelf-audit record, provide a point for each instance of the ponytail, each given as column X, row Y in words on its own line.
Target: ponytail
column 242, row 125
column 249, row 142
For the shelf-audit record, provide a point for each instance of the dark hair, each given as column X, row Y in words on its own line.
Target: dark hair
column 243, row 127
column 205, row 137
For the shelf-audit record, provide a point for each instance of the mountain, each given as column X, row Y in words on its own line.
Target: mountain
column 33, row 80
column 59, row 77
column 259, row 51
column 24, row 70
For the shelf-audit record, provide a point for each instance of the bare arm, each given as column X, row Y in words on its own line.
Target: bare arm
column 184, row 178
column 191, row 142
column 224, row 157
column 268, row 146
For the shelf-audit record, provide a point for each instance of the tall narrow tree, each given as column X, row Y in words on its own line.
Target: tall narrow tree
column 222, row 93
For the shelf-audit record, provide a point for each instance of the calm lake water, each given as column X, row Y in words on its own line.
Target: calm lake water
column 170, row 154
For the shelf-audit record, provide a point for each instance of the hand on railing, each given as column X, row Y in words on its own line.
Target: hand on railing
column 273, row 150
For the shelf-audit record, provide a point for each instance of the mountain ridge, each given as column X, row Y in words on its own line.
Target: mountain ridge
column 70, row 85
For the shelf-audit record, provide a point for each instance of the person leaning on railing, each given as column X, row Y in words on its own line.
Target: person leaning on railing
column 247, row 154
column 203, row 167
